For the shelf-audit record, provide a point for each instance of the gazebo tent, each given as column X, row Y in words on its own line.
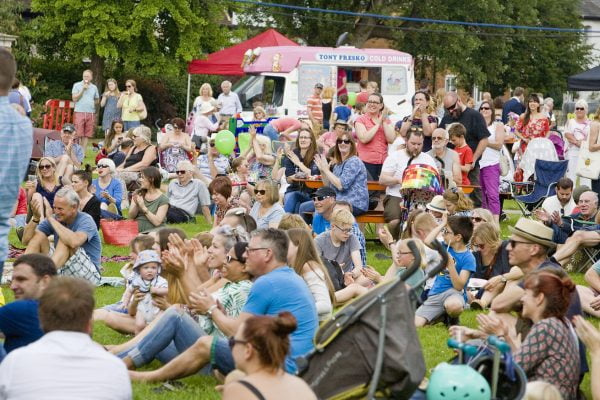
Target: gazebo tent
column 228, row 61
column 586, row 81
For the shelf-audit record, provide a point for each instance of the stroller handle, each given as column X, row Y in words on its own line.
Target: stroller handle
column 436, row 245
column 501, row 345
column 416, row 263
column 465, row 348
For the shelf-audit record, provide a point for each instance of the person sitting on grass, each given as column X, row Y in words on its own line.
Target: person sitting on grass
column 113, row 315
column 447, row 296
column 77, row 245
column 108, row 189
column 149, row 205
column 144, row 284
column 457, row 203
column 590, row 296
column 259, row 349
column 457, row 134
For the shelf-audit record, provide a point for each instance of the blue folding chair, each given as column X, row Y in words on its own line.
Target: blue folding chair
column 547, row 173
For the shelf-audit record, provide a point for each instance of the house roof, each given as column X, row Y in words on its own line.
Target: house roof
column 590, row 9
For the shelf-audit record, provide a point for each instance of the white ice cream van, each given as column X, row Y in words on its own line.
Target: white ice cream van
column 283, row 77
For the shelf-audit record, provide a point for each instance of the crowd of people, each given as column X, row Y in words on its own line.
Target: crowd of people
column 245, row 298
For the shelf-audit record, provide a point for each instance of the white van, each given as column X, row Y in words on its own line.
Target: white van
column 283, row 77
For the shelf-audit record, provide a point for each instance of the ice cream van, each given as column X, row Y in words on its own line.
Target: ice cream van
column 283, row 77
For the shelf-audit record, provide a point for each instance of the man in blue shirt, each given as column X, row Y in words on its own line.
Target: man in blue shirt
column 19, row 320
column 67, row 155
column 77, row 246
column 86, row 97
column 277, row 288
column 16, row 136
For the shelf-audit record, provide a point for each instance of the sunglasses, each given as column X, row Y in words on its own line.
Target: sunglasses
column 180, row 172
column 484, row 108
column 45, row 166
column 128, row 86
column 233, row 341
column 480, row 246
column 229, row 259
column 320, row 198
column 262, row 192
column 345, row 141
column 579, row 109
column 513, row 243
column 437, row 138
column 452, row 107
column 476, row 219
column 102, row 166
column 212, row 144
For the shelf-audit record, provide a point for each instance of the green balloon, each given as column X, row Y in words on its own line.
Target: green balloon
column 243, row 141
column 225, row 142
column 351, row 98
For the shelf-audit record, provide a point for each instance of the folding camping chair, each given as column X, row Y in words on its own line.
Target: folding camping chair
column 547, row 173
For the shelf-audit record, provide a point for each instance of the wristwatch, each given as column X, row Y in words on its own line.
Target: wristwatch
column 210, row 310
column 503, row 279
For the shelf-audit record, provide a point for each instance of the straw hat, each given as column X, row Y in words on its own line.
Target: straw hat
column 206, row 108
column 534, row 231
column 437, row 204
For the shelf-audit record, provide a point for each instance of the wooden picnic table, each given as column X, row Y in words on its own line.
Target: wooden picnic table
column 373, row 186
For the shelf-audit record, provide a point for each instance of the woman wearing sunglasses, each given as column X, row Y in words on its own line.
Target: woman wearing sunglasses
column 577, row 131
column 347, row 174
column 131, row 105
column 259, row 349
column 176, row 146
column 108, row 189
column 489, row 163
column 266, row 211
column 45, row 185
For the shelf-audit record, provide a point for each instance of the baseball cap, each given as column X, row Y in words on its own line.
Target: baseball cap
column 325, row 191
column 68, row 128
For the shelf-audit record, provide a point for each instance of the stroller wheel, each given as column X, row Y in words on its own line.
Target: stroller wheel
column 507, row 388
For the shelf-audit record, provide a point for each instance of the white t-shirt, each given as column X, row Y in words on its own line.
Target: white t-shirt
column 63, row 366
column 396, row 163
column 552, row 204
column 581, row 131
column 490, row 156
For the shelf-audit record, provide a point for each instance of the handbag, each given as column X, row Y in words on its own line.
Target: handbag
column 588, row 162
column 504, row 165
column 118, row 233
column 144, row 113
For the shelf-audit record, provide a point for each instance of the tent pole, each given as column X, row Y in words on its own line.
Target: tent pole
column 187, row 102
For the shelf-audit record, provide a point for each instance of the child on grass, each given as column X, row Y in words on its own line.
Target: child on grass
column 144, row 284
column 457, row 134
column 447, row 295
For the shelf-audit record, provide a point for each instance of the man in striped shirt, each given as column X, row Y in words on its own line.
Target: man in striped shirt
column 314, row 104
column 16, row 136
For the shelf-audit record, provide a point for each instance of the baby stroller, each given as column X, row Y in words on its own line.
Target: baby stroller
column 420, row 183
column 370, row 348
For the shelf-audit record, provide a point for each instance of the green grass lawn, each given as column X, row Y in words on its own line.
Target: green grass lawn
column 432, row 338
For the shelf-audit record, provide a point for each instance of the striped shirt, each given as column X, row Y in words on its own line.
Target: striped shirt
column 16, row 136
column 315, row 105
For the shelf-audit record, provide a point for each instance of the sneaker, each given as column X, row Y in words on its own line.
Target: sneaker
column 450, row 321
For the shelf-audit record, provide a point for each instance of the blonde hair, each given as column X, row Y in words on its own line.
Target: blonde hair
column 420, row 247
column 488, row 233
column 204, row 86
column 116, row 91
column 291, row 221
column 259, row 109
column 484, row 213
column 38, row 171
column 540, row 390
column 342, row 217
column 425, row 222
column 264, row 140
column 133, row 84
column 458, row 198
column 272, row 192
column 328, row 92
column 144, row 132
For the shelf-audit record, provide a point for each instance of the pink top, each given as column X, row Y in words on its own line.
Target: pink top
column 285, row 123
column 375, row 151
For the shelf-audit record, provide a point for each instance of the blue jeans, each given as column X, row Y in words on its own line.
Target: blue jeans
column 307, row 206
column 293, row 200
column 271, row 132
column 174, row 333
column 130, row 124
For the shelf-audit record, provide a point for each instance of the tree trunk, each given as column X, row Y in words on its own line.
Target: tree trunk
column 97, row 67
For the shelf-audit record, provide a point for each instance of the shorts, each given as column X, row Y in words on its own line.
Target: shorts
column 391, row 208
column 81, row 266
column 220, row 356
column 85, row 124
column 433, row 307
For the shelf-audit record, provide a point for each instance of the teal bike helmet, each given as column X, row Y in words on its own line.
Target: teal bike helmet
column 454, row 382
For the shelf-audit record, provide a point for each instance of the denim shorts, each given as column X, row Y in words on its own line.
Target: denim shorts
column 220, row 356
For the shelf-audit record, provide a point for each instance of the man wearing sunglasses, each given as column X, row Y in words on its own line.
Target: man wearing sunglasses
column 476, row 136
column 186, row 194
column 212, row 163
column 447, row 160
column 392, row 172
column 67, row 154
column 324, row 201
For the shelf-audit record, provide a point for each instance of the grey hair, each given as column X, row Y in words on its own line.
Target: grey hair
column 144, row 132
column 70, row 195
column 582, row 103
column 110, row 163
column 231, row 235
column 185, row 165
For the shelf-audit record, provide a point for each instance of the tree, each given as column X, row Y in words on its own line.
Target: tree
column 157, row 37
